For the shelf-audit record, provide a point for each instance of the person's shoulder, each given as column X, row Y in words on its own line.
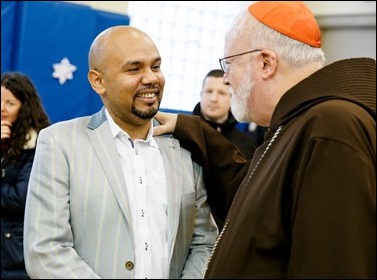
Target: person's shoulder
column 337, row 111
column 67, row 124
column 169, row 141
column 338, row 119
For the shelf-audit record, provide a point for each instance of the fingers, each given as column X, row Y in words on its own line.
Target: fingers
column 157, row 130
column 162, row 129
column 6, row 122
column 167, row 121
column 161, row 117
column 6, row 129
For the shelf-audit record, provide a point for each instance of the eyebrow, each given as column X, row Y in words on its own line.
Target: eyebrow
column 138, row 62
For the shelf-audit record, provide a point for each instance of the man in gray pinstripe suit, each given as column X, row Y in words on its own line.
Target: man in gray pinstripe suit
column 106, row 199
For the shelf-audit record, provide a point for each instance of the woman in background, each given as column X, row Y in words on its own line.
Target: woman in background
column 22, row 117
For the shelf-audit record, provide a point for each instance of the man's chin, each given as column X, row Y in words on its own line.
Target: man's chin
column 239, row 113
column 146, row 115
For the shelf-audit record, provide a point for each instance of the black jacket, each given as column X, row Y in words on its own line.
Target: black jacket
column 14, row 183
column 242, row 140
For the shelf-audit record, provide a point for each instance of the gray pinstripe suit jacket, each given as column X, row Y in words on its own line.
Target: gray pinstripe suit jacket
column 77, row 217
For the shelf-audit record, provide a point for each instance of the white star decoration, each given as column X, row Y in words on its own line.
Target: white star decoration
column 63, row 70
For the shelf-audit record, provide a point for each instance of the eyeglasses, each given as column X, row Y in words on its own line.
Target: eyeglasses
column 225, row 65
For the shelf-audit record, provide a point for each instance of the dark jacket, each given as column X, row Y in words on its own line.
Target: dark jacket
column 14, row 184
column 307, row 206
column 242, row 140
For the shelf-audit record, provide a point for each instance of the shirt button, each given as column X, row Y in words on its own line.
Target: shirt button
column 129, row 265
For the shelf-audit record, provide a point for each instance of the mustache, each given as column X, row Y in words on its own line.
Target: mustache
column 145, row 88
column 230, row 91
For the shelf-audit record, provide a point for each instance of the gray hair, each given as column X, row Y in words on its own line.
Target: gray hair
column 293, row 52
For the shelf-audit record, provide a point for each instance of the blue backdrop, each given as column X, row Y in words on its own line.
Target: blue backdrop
column 37, row 35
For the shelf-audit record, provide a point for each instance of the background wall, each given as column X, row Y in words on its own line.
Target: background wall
column 348, row 28
column 37, row 36
column 190, row 36
column 49, row 41
column 119, row 7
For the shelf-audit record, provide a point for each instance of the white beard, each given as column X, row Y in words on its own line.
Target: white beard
column 240, row 98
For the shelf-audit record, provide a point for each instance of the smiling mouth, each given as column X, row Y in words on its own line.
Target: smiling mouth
column 147, row 95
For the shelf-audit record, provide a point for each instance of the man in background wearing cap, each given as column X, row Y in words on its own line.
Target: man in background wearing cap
column 305, row 205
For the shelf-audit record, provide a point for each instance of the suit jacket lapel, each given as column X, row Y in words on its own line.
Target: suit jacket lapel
column 171, row 157
column 100, row 135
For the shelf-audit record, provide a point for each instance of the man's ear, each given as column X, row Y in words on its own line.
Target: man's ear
column 95, row 80
column 270, row 61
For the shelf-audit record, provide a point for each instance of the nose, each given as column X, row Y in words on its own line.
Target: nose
column 149, row 77
column 214, row 96
column 226, row 79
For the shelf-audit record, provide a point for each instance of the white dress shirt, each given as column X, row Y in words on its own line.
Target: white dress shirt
column 145, row 179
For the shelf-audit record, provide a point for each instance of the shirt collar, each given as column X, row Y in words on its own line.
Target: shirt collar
column 117, row 131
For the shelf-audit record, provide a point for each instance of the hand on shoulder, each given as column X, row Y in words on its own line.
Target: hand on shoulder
column 167, row 122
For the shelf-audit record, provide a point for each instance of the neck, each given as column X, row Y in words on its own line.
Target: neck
column 137, row 131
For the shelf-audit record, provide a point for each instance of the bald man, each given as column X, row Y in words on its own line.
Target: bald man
column 106, row 198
